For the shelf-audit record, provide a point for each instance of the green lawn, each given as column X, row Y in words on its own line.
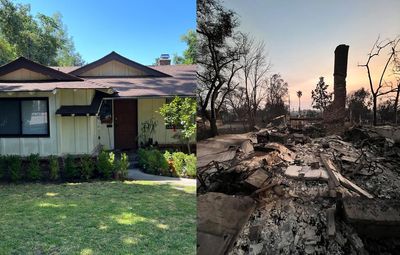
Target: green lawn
column 97, row 218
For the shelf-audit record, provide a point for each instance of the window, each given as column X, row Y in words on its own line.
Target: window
column 23, row 117
column 105, row 112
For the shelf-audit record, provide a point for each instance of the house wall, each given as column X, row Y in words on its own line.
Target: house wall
column 113, row 68
column 74, row 135
column 147, row 109
column 24, row 75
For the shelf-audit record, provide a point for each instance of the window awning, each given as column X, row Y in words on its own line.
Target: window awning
column 84, row 110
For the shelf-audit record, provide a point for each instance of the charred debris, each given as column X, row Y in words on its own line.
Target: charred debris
column 291, row 191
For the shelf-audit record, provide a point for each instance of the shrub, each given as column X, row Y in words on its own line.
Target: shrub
column 191, row 165
column 87, row 167
column 3, row 168
column 182, row 164
column 179, row 162
column 121, row 166
column 152, row 161
column 54, row 167
column 34, row 171
column 14, row 164
column 105, row 164
column 70, row 170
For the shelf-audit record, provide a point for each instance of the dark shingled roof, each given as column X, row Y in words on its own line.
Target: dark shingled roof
column 22, row 62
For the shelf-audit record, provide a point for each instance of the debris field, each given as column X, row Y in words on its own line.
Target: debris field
column 285, row 191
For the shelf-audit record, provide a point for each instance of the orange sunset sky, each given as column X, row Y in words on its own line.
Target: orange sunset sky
column 301, row 36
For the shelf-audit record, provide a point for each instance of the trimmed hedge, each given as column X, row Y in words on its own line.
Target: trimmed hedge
column 176, row 164
column 14, row 168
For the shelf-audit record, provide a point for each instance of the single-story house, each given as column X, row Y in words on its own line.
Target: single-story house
column 76, row 110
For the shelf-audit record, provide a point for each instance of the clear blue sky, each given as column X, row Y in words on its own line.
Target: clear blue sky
column 301, row 36
column 140, row 30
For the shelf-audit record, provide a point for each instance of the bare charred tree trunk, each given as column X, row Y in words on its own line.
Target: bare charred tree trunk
column 396, row 103
column 376, row 91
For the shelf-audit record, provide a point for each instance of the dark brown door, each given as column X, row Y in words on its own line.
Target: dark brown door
column 125, row 124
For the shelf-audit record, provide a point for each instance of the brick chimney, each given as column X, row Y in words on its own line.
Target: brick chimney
column 335, row 115
column 164, row 60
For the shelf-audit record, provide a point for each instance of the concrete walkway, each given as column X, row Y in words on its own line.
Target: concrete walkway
column 136, row 174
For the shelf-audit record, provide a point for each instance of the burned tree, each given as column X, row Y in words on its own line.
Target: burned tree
column 320, row 96
column 381, row 87
column 358, row 104
column 220, row 49
column 277, row 92
column 255, row 67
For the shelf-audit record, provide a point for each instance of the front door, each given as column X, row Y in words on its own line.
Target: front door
column 125, row 124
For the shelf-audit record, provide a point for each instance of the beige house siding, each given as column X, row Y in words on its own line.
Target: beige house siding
column 113, row 68
column 148, row 109
column 24, row 75
column 74, row 135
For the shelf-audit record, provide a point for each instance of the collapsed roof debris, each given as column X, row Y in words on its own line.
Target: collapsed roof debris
column 320, row 195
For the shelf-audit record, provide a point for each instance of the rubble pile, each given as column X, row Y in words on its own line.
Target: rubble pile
column 302, row 186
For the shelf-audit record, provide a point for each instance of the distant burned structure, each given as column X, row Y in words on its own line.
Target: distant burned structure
column 334, row 116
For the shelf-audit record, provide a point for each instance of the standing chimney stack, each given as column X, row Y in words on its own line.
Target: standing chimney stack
column 335, row 115
column 164, row 60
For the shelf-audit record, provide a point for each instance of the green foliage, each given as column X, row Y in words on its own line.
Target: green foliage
column 34, row 171
column 54, row 168
column 190, row 54
column 152, row 161
column 42, row 38
column 106, row 164
column 181, row 112
column 14, row 165
column 87, row 167
column 191, row 165
column 183, row 164
column 3, row 168
column 122, row 166
column 71, row 171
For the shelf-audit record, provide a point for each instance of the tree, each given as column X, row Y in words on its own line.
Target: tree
column 320, row 96
column 43, row 39
column 181, row 113
column 220, row 49
column 190, row 54
column 255, row 67
column 358, row 104
column 378, row 89
column 277, row 91
column 299, row 94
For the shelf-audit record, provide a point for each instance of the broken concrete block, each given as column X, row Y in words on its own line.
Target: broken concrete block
column 305, row 172
column 258, row 178
column 372, row 217
column 220, row 218
column 247, row 147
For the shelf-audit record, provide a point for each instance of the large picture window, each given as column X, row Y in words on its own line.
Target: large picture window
column 23, row 117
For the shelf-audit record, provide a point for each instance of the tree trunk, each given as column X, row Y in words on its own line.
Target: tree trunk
column 374, row 108
column 213, row 118
column 396, row 103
